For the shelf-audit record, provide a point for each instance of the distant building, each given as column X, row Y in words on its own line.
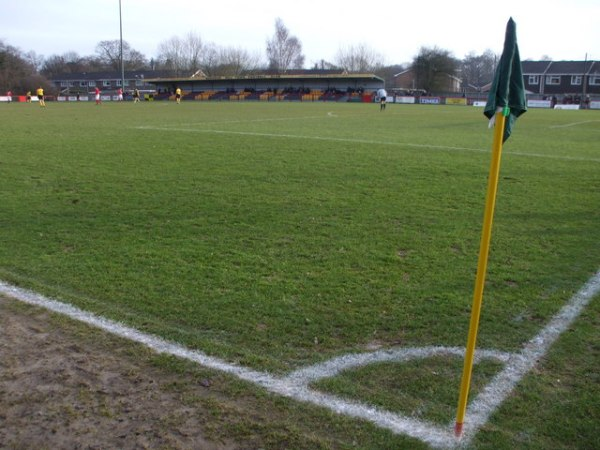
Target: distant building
column 335, row 85
column 85, row 83
column 292, row 84
column 543, row 78
column 407, row 81
column 560, row 78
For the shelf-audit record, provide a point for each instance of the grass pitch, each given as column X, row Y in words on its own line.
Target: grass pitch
column 279, row 235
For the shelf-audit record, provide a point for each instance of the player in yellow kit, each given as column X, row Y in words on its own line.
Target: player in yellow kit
column 178, row 95
column 40, row 94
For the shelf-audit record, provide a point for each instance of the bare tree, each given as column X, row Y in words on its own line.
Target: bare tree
column 432, row 66
column 284, row 52
column 55, row 64
column 211, row 60
column 227, row 61
column 324, row 65
column 192, row 50
column 183, row 56
column 12, row 67
column 17, row 73
column 171, row 55
column 359, row 58
column 186, row 55
column 36, row 61
column 134, row 60
column 109, row 52
column 71, row 62
column 477, row 70
column 235, row 61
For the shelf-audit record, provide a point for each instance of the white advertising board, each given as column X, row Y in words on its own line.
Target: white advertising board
column 539, row 104
column 404, row 99
column 566, row 106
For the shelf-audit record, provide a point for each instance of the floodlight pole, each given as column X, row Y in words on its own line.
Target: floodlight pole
column 121, row 40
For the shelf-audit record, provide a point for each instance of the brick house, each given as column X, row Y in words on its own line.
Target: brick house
column 406, row 81
column 543, row 78
column 561, row 78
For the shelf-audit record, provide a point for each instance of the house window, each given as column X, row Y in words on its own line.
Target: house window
column 106, row 83
column 576, row 80
column 595, row 81
column 91, row 83
column 82, row 83
column 534, row 79
column 139, row 82
column 553, row 79
column 64, row 84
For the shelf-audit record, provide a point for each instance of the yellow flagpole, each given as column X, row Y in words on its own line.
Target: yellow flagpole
column 484, row 248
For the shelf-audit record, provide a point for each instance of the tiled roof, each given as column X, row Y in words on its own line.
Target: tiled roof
column 535, row 67
column 559, row 67
column 569, row 67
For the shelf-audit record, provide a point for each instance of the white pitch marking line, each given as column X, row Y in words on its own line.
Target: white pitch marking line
column 573, row 124
column 504, row 382
column 283, row 386
column 295, row 385
column 360, row 141
column 334, row 366
column 314, row 138
column 272, row 119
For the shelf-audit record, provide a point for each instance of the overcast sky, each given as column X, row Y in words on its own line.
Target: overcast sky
column 562, row 30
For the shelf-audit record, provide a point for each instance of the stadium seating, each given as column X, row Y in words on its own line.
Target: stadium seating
column 204, row 95
column 313, row 96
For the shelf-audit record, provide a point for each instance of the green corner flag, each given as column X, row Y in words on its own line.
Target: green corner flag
column 505, row 103
column 508, row 89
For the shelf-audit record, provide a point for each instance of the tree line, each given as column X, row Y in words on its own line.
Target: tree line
column 189, row 54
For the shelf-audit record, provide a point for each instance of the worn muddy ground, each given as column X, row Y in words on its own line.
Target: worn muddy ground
column 64, row 385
